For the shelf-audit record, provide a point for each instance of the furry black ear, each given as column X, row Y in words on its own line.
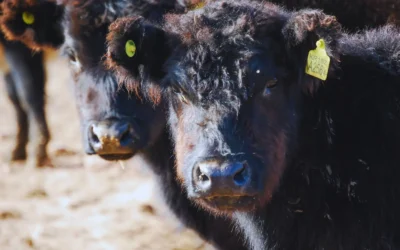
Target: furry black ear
column 37, row 23
column 309, row 25
column 137, row 51
column 302, row 32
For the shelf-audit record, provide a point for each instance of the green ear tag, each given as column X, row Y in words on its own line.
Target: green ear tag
column 130, row 48
column 28, row 17
column 318, row 61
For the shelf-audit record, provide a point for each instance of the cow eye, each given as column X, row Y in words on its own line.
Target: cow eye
column 73, row 60
column 180, row 94
column 72, row 57
column 272, row 83
column 182, row 98
column 70, row 54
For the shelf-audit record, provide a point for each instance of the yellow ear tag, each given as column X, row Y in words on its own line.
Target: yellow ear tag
column 130, row 48
column 28, row 17
column 199, row 5
column 318, row 61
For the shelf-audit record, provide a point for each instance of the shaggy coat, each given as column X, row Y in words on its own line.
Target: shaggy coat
column 324, row 153
column 353, row 15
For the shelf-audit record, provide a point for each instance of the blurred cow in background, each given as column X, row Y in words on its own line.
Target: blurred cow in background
column 25, row 86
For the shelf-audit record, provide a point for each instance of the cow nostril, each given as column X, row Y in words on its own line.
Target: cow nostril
column 240, row 176
column 126, row 137
column 94, row 138
column 203, row 177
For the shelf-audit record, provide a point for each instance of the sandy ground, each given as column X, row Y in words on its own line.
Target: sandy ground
column 84, row 203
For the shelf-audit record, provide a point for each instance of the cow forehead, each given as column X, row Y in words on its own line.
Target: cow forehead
column 227, row 19
column 228, row 73
column 218, row 43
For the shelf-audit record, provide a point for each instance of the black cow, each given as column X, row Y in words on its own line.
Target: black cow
column 116, row 125
column 298, row 161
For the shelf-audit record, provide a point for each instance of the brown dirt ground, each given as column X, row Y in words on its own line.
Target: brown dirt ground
column 84, row 203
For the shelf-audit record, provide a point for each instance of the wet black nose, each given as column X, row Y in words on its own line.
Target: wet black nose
column 113, row 138
column 228, row 179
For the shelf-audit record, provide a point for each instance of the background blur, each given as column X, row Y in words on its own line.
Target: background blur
column 84, row 203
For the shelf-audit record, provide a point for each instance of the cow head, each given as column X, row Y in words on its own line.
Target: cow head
column 115, row 124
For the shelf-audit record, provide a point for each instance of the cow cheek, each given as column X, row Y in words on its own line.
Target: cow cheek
column 179, row 144
column 180, row 155
column 273, row 142
column 276, row 153
column 183, row 148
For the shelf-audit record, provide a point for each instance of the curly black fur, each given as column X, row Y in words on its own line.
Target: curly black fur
column 353, row 15
column 337, row 185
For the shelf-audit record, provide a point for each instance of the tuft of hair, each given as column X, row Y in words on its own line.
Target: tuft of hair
column 228, row 18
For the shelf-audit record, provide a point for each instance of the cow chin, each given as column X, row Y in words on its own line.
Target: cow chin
column 117, row 157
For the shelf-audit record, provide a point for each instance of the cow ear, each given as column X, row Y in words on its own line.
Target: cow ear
column 137, row 51
column 313, row 32
column 35, row 23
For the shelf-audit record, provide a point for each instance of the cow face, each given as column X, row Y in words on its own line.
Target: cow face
column 234, row 110
column 115, row 124
column 231, row 140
